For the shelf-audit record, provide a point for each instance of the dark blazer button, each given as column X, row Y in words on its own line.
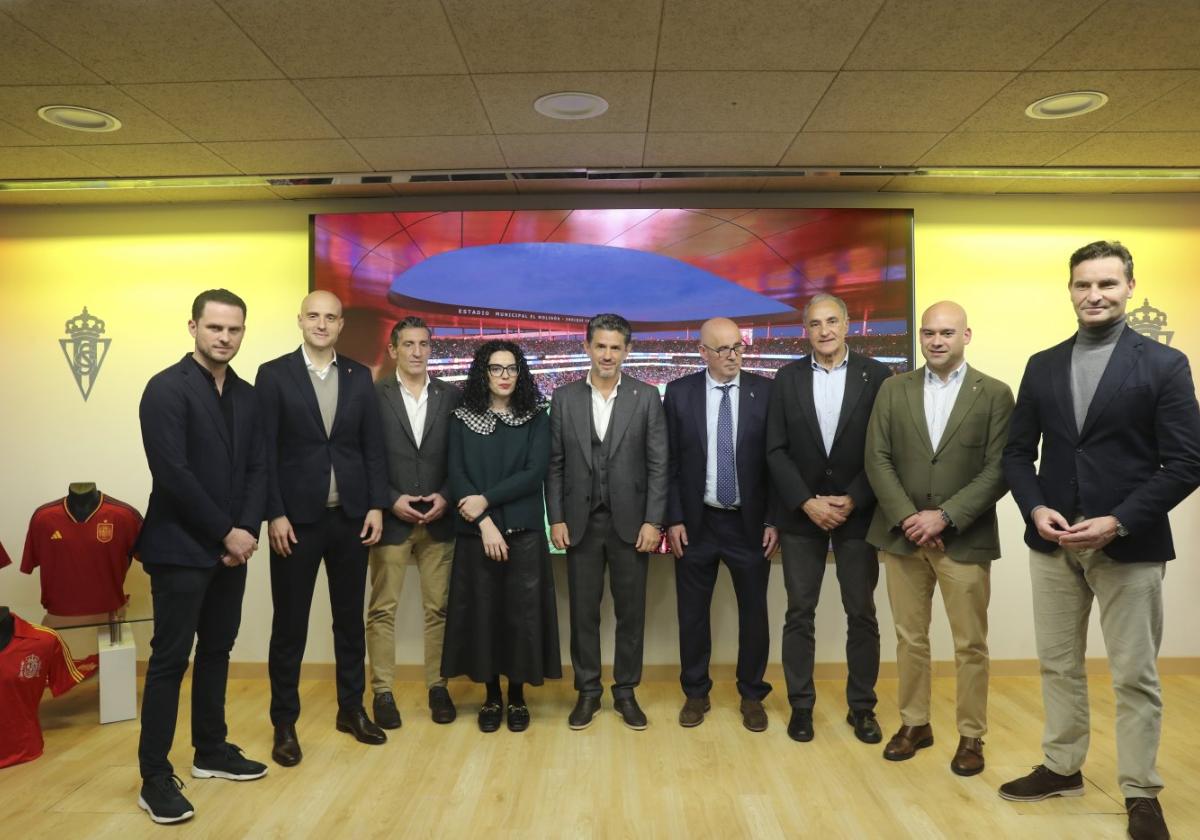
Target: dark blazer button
column 1079, row 450
column 828, row 472
column 934, row 461
column 1073, row 481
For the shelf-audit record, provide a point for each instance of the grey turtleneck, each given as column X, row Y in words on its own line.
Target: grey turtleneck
column 1093, row 348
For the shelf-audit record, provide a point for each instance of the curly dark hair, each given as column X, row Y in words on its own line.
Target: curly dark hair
column 478, row 398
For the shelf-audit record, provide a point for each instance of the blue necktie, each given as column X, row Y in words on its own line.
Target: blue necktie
column 726, row 466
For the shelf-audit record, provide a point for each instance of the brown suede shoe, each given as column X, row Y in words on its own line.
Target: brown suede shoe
column 754, row 716
column 968, row 758
column 906, row 742
column 692, row 713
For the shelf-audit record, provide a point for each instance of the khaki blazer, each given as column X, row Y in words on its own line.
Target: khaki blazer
column 962, row 477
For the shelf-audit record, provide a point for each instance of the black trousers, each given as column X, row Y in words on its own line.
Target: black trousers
column 723, row 537
column 334, row 538
column 190, row 605
column 602, row 547
column 858, row 573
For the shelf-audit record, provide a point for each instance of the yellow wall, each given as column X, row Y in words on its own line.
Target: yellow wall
column 1003, row 258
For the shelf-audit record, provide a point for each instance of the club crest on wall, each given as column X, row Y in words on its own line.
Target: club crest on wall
column 85, row 350
column 1151, row 323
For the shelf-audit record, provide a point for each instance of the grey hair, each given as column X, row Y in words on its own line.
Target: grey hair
column 825, row 298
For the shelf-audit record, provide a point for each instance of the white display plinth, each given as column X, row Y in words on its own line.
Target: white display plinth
column 118, row 673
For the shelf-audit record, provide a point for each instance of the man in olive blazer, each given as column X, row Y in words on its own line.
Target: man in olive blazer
column 933, row 457
column 606, row 499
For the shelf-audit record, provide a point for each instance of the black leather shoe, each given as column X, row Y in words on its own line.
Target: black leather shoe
column 584, row 712
column 866, row 727
column 518, row 717
column 490, row 715
column 360, row 726
column 441, row 707
column 386, row 713
column 631, row 713
column 287, row 747
column 800, row 727
column 1146, row 819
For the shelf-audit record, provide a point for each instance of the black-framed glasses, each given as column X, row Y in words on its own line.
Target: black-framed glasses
column 726, row 351
column 502, row 370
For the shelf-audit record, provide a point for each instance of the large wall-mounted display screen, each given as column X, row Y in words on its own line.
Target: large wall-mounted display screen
column 536, row 276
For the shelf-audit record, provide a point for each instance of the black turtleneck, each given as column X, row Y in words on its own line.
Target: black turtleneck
column 1093, row 348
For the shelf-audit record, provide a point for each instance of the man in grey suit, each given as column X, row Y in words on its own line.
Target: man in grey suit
column 606, row 497
column 415, row 409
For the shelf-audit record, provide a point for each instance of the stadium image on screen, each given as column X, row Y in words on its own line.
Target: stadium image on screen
column 537, row 276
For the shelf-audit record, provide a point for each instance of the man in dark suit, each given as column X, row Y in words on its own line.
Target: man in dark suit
column 415, row 411
column 816, row 429
column 933, row 459
column 717, row 510
column 203, row 441
column 606, row 499
column 326, row 490
column 1116, row 416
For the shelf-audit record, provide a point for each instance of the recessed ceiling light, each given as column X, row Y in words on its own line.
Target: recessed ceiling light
column 571, row 105
column 1060, row 106
column 78, row 118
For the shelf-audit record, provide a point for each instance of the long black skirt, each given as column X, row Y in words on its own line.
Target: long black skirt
column 501, row 617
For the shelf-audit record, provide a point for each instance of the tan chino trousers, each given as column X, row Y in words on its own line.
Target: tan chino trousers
column 388, row 564
column 966, row 590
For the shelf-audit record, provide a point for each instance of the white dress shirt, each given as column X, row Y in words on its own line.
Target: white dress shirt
column 939, row 400
column 712, row 414
column 416, row 407
column 602, row 406
column 320, row 373
column 829, row 387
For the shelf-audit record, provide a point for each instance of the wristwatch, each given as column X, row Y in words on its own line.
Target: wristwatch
column 1122, row 531
column 946, row 520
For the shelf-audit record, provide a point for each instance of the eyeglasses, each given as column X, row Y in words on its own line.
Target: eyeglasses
column 725, row 351
column 503, row 370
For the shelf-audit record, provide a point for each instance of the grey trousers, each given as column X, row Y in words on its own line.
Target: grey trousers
column 1131, row 618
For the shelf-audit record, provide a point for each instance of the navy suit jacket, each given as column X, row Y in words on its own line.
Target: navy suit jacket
column 203, row 482
column 800, row 468
column 1137, row 456
column 300, row 454
column 685, row 404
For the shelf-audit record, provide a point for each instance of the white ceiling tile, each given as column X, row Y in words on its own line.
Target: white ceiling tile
column 734, row 101
column 259, row 110
column 399, row 106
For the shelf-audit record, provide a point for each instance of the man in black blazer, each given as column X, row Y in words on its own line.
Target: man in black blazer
column 203, row 442
column 415, row 410
column 606, row 499
column 717, row 510
column 326, row 490
column 816, row 434
column 1116, row 416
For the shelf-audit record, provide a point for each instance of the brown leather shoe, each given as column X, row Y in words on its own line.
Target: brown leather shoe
column 754, row 716
column 906, row 742
column 968, row 758
column 692, row 713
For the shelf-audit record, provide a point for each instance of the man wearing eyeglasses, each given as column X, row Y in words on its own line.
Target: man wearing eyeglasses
column 816, row 431
column 717, row 510
column 606, row 498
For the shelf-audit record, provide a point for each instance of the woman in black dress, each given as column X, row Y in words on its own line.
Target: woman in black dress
column 501, row 616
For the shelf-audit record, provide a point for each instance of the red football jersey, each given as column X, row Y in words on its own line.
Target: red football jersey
column 83, row 563
column 4, row 558
column 36, row 657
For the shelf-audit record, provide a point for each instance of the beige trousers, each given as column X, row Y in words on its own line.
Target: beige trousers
column 388, row 564
column 966, row 589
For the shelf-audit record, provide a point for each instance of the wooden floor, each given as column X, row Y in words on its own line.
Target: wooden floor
column 717, row 780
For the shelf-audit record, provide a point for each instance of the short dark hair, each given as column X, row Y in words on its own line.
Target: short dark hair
column 410, row 322
column 216, row 296
column 609, row 321
column 1101, row 249
column 476, row 395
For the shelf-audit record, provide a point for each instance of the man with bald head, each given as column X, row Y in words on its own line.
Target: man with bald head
column 717, row 510
column 933, row 457
column 327, row 488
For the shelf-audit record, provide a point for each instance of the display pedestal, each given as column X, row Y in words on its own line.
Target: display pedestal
column 118, row 673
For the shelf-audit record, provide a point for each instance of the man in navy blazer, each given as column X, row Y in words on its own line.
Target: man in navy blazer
column 326, row 491
column 1116, row 416
column 717, row 510
column 816, row 435
column 203, row 442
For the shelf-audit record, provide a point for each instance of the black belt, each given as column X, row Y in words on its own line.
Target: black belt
column 716, row 509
